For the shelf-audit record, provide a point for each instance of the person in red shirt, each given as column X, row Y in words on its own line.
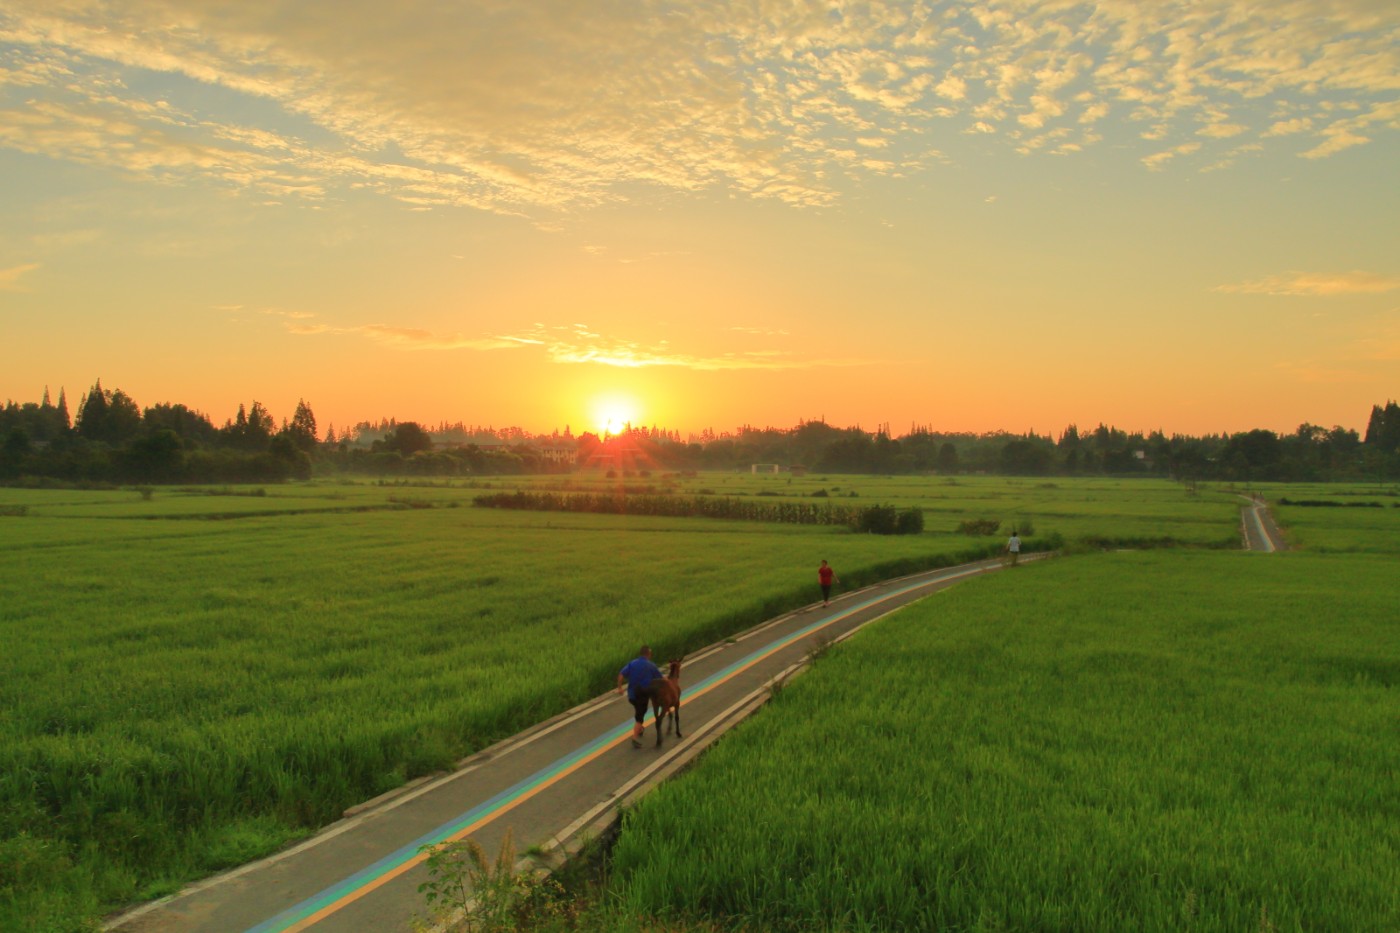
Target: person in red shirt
column 826, row 576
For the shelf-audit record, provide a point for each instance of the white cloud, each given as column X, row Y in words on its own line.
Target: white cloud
column 1158, row 160
column 952, row 87
column 1221, row 130
column 532, row 109
column 1094, row 112
column 1289, row 127
column 1334, row 143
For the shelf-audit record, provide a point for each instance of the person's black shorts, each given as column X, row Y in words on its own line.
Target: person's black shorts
column 640, row 704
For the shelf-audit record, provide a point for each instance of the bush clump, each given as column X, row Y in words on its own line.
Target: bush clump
column 979, row 527
column 887, row 520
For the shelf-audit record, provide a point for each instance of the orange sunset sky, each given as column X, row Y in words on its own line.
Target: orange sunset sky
column 1013, row 215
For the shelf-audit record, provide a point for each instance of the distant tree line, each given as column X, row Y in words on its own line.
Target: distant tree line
column 1311, row 453
column 110, row 438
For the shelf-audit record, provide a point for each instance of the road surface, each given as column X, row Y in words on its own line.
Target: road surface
column 1260, row 531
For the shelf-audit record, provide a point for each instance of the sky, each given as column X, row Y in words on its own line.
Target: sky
column 1176, row 215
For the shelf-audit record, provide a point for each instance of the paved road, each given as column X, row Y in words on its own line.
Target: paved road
column 1261, row 532
column 556, row 784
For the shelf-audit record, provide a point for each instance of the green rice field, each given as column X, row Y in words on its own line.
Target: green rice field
column 1348, row 519
column 1166, row 740
column 180, row 663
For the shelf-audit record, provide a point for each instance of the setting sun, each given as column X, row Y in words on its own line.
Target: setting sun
column 611, row 413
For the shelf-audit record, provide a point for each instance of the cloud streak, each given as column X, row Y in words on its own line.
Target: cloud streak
column 571, row 344
column 1316, row 284
column 9, row 278
column 579, row 345
column 405, row 338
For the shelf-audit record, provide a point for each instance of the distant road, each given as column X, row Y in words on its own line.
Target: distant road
column 553, row 785
column 1261, row 532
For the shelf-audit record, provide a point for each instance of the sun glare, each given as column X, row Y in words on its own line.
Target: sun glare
column 612, row 413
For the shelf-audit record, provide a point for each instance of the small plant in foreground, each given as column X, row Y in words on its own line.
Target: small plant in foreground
column 472, row 892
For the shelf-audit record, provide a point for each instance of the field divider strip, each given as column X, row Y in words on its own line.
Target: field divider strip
column 327, row 902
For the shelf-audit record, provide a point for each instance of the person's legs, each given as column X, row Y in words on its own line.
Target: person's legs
column 826, row 593
column 639, row 706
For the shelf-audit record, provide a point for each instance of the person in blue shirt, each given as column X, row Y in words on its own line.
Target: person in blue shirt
column 638, row 675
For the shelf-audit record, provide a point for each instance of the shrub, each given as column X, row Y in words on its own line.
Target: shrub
column 878, row 520
column 887, row 520
column 979, row 527
column 910, row 522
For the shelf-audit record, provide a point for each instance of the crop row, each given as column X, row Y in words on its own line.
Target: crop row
column 876, row 519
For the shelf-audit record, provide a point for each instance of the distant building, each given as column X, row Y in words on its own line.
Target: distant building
column 764, row 468
column 558, row 452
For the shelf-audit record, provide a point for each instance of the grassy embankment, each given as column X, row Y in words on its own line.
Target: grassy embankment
column 1173, row 740
column 190, row 680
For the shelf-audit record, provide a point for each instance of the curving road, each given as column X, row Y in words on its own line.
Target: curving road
column 558, row 783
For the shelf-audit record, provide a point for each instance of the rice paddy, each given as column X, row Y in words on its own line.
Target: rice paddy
column 1160, row 741
column 192, row 678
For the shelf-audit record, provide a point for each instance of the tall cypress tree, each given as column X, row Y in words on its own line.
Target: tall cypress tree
column 1383, row 430
column 92, row 414
column 303, row 427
